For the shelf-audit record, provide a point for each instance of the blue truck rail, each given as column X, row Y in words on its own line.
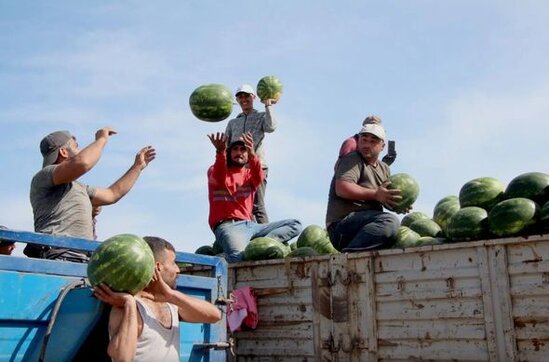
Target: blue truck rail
column 48, row 312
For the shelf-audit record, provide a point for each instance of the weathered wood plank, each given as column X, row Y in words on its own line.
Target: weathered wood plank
column 437, row 329
column 434, row 274
column 455, row 308
column 421, row 261
column 462, row 350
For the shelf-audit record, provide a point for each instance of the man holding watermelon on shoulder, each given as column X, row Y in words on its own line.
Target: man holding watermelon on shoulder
column 355, row 218
column 257, row 123
column 61, row 204
column 232, row 183
column 145, row 327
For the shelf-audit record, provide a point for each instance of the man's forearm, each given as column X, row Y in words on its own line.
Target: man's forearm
column 194, row 310
column 123, row 342
column 270, row 120
column 351, row 191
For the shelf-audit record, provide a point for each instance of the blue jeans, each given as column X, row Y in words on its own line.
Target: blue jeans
column 364, row 230
column 235, row 235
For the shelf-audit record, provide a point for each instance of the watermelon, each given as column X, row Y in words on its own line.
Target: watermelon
column 468, row 223
column 544, row 216
column 408, row 219
column 426, row 227
column 531, row 185
column 124, row 262
column 205, row 250
column 444, row 209
column 512, row 216
column 409, row 191
column 269, row 87
column 482, row 192
column 293, row 246
column 302, row 252
column 211, row 102
column 406, row 237
column 217, row 248
column 264, row 248
column 428, row 240
column 317, row 238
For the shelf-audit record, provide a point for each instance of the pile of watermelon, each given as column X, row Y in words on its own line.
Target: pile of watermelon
column 485, row 208
column 312, row 241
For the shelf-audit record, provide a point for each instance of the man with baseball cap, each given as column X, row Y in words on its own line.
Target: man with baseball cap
column 351, row 143
column 257, row 123
column 63, row 205
column 232, row 182
column 355, row 218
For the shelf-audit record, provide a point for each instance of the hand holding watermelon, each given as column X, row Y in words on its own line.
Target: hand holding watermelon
column 387, row 197
column 269, row 89
column 107, row 295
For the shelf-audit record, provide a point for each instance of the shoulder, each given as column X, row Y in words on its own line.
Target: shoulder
column 44, row 176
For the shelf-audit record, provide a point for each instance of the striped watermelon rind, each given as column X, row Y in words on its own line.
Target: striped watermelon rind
column 304, row 251
column 124, row 262
column 406, row 237
column 530, row 185
column 512, row 216
column 444, row 210
column 544, row 216
column 211, row 102
column 317, row 238
column 468, row 223
column 265, row 248
column 426, row 227
column 409, row 191
column 269, row 87
column 483, row 192
column 408, row 219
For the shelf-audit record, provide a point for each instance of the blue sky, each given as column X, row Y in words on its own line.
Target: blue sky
column 462, row 86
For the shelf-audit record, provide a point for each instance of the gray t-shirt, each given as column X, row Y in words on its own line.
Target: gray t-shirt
column 353, row 168
column 258, row 123
column 64, row 209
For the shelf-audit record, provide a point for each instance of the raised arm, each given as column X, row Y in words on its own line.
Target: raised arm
column 256, row 170
column 110, row 195
column 124, row 326
column 74, row 167
column 191, row 309
column 219, row 169
column 270, row 122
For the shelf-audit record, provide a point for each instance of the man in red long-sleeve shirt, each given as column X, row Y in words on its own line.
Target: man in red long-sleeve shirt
column 232, row 182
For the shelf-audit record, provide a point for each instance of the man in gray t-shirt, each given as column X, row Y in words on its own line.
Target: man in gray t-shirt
column 61, row 204
column 355, row 218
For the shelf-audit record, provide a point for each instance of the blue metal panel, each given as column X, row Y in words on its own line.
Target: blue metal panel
column 29, row 288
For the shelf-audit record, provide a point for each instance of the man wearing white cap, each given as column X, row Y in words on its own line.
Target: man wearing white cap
column 257, row 123
column 355, row 218
column 61, row 204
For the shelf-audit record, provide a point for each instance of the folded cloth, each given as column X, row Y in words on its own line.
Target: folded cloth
column 243, row 309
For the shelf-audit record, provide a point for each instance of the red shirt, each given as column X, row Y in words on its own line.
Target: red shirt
column 231, row 190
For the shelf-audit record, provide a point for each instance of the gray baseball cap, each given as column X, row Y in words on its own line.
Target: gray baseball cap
column 50, row 145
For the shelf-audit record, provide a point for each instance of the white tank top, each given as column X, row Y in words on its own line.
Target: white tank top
column 156, row 342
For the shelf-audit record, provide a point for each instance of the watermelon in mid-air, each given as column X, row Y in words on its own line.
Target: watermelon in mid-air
column 269, row 87
column 124, row 262
column 211, row 102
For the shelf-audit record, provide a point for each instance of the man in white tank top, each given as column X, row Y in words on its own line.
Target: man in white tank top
column 145, row 327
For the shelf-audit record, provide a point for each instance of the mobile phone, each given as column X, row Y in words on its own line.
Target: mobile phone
column 391, row 149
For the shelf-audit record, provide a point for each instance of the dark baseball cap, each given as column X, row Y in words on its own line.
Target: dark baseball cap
column 50, row 145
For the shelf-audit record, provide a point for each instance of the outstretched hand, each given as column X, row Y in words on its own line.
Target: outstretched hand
column 249, row 143
column 145, row 156
column 219, row 140
column 104, row 132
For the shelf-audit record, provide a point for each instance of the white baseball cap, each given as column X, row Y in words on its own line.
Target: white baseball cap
column 245, row 88
column 374, row 129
